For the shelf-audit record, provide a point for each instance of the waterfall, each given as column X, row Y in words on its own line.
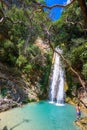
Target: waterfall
column 57, row 82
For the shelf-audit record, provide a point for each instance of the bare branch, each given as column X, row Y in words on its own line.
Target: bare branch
column 2, row 20
column 57, row 5
column 5, row 18
column 74, row 23
column 77, row 23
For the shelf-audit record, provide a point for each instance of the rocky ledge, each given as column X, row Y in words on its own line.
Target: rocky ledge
column 6, row 104
column 82, row 123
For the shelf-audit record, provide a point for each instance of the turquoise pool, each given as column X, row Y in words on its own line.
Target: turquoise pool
column 39, row 116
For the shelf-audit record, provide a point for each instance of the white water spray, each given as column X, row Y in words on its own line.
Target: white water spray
column 57, row 85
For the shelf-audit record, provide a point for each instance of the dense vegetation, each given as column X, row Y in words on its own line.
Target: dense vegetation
column 23, row 45
column 71, row 37
column 24, row 24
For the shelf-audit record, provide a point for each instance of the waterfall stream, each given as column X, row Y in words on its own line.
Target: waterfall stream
column 57, row 82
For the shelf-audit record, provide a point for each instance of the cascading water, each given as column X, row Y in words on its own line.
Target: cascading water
column 57, row 83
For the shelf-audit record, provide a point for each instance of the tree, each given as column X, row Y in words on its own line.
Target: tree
column 83, row 83
column 82, row 4
column 24, row 25
column 38, row 7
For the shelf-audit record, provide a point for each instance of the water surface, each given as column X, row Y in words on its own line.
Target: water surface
column 39, row 116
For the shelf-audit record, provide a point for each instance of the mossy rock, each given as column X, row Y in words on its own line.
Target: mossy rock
column 69, row 100
column 66, row 86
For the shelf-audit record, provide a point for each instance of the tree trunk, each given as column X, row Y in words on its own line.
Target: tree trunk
column 83, row 7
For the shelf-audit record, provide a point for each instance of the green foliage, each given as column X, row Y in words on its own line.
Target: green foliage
column 7, row 51
column 84, row 70
column 26, row 24
column 68, row 34
column 21, row 51
column 46, row 72
column 42, row 1
column 21, row 61
column 33, row 50
column 8, row 44
column 28, row 68
column 4, row 91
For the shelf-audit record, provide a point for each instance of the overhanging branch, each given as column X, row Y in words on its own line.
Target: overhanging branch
column 56, row 5
column 5, row 18
column 66, row 62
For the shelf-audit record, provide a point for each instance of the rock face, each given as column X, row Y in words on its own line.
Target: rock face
column 22, row 86
column 6, row 104
column 82, row 123
column 82, row 95
column 16, row 87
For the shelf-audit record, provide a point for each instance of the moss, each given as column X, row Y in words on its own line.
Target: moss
column 69, row 100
